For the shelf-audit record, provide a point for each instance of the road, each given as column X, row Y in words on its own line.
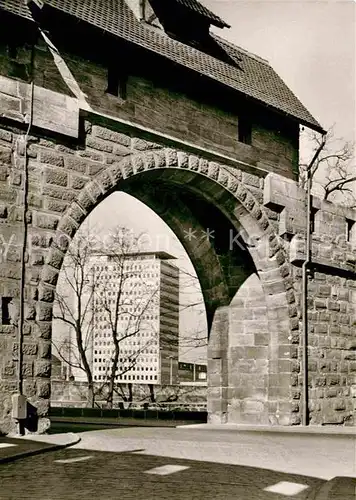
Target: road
column 105, row 475
column 181, row 464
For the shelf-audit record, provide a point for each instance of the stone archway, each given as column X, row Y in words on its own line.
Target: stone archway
column 220, row 187
column 68, row 181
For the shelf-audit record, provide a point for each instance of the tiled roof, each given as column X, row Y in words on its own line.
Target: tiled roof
column 253, row 77
column 200, row 9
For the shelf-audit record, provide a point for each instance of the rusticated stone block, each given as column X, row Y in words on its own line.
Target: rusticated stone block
column 44, row 311
column 46, row 221
column 27, row 328
column 171, row 157
column 42, row 407
column 120, row 150
column 183, row 159
column 46, row 294
column 27, row 349
column 50, row 275
column 99, row 144
column 67, row 226
column 160, row 158
column 109, row 135
column 350, row 356
column 43, row 389
column 5, row 155
column 55, row 258
column 29, row 388
column 52, row 158
column 333, row 305
column 44, row 329
column 262, row 339
column 149, row 160
column 95, row 190
column 76, row 213
column 76, row 164
column 30, row 312
column 5, row 135
column 56, row 177
column 27, row 369
column 45, row 350
column 43, row 369
column 7, row 329
column 320, row 304
column 78, row 182
column 332, row 417
column 105, row 182
column 324, row 290
column 9, row 369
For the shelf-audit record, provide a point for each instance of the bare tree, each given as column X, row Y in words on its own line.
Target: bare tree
column 73, row 310
column 192, row 301
column 334, row 172
column 125, row 308
column 91, row 304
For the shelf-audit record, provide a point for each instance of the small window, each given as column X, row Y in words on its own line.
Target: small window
column 5, row 312
column 245, row 130
column 117, row 83
column 312, row 219
column 349, row 230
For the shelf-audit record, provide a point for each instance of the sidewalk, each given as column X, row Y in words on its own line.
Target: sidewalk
column 13, row 448
column 295, row 429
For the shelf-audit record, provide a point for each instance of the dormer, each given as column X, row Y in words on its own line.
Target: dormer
column 186, row 21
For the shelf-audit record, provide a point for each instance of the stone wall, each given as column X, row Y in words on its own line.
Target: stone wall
column 68, row 177
column 248, row 355
column 74, row 393
column 331, row 300
column 152, row 102
column 76, row 158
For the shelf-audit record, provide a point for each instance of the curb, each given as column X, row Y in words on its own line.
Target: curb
column 325, row 491
column 321, row 431
column 119, row 423
column 39, row 451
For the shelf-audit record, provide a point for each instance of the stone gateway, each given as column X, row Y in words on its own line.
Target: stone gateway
column 127, row 96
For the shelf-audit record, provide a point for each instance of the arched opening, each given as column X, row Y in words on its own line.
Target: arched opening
column 239, row 246
column 148, row 234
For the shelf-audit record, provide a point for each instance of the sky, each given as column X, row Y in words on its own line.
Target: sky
column 311, row 45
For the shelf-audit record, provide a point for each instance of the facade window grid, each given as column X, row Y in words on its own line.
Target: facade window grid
column 136, row 289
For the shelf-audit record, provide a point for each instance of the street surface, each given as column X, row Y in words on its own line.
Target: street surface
column 182, row 464
column 322, row 456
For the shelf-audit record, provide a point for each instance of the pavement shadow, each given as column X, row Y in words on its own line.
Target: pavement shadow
column 136, row 474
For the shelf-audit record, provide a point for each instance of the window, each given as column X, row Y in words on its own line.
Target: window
column 245, row 130
column 5, row 312
column 350, row 230
column 312, row 219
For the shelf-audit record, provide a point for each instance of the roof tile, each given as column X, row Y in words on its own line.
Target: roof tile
column 200, row 9
column 253, row 77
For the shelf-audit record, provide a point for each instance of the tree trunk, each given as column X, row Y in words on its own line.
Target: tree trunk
column 87, row 369
column 152, row 393
column 130, row 398
column 90, row 395
column 111, row 386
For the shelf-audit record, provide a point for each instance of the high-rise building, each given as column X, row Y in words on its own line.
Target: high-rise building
column 136, row 296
